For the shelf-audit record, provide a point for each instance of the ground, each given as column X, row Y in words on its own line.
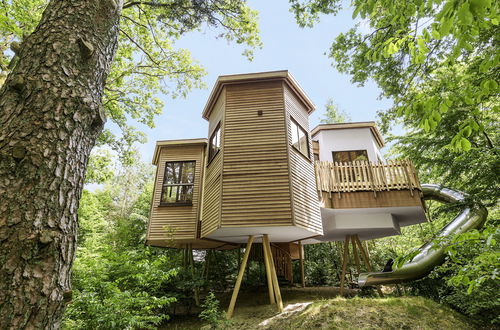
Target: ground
column 316, row 309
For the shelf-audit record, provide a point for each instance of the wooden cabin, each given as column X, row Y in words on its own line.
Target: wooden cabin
column 254, row 174
column 260, row 171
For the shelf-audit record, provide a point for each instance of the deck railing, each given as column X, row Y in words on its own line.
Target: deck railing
column 366, row 176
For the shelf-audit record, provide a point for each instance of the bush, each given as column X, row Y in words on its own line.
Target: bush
column 211, row 311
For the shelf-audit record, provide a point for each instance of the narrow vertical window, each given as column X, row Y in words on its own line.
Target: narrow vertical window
column 299, row 138
column 178, row 183
column 214, row 143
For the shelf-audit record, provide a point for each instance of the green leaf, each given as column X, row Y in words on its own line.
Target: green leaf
column 465, row 144
column 435, row 34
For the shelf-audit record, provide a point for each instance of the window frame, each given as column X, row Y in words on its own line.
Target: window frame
column 212, row 136
column 178, row 185
column 349, row 156
column 299, row 128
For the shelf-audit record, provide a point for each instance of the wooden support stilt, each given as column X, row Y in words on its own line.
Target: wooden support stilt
column 355, row 253
column 268, row 274
column 344, row 264
column 230, row 310
column 301, row 258
column 276, row 286
column 366, row 258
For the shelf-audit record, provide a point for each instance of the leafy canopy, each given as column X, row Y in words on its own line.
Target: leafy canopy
column 428, row 56
column 147, row 63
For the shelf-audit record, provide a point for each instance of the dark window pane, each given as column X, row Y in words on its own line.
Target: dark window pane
column 359, row 155
column 186, row 193
column 214, row 143
column 187, row 172
column 169, row 194
column 303, row 142
column 295, row 134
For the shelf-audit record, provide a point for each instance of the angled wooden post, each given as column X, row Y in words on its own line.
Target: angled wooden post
column 355, row 253
column 268, row 274
column 301, row 257
column 230, row 310
column 276, row 286
column 344, row 264
column 366, row 258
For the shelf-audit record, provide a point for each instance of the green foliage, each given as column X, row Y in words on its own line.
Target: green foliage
column 333, row 114
column 147, row 63
column 428, row 56
column 117, row 282
column 322, row 263
column 211, row 312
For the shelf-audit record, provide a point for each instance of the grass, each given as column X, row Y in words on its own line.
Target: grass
column 336, row 313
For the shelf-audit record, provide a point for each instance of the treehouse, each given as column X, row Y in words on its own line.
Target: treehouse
column 262, row 176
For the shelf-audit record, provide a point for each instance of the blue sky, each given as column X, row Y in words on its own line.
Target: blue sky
column 286, row 47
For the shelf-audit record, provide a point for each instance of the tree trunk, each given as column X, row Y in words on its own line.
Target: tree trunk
column 50, row 117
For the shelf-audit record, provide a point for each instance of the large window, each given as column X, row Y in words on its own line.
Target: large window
column 299, row 138
column 178, row 183
column 349, row 155
column 214, row 143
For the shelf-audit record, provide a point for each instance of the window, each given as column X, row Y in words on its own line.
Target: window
column 214, row 143
column 178, row 183
column 349, row 155
column 299, row 138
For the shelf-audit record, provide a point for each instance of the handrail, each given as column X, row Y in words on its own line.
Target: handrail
column 366, row 176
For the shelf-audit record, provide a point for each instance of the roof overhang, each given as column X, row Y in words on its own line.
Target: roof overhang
column 175, row 143
column 282, row 75
column 365, row 124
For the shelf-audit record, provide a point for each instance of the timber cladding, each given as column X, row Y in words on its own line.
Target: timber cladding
column 211, row 206
column 255, row 176
column 302, row 181
column 180, row 221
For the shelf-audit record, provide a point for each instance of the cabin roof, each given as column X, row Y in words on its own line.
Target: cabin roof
column 362, row 124
column 174, row 143
column 256, row 77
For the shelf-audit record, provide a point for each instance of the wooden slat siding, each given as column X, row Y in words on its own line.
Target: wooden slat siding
column 255, row 189
column 181, row 220
column 306, row 212
column 211, row 214
column 366, row 176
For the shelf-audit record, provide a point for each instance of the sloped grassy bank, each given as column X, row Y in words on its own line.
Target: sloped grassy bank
column 341, row 313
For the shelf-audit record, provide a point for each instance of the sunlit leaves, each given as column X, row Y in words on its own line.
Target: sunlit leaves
column 408, row 48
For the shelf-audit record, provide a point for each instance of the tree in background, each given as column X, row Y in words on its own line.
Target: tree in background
column 410, row 47
column 61, row 85
column 438, row 60
column 333, row 114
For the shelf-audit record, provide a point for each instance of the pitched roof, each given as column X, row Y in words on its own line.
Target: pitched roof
column 362, row 124
column 256, row 77
column 174, row 143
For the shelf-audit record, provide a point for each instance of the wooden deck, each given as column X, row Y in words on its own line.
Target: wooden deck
column 366, row 176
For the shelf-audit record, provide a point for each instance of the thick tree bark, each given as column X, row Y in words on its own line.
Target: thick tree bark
column 50, row 116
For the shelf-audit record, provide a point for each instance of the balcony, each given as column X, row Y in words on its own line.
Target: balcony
column 365, row 176
column 368, row 199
